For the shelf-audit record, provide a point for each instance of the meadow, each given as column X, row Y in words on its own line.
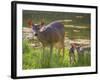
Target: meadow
column 33, row 57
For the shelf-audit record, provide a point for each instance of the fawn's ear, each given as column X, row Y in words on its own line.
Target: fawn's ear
column 30, row 23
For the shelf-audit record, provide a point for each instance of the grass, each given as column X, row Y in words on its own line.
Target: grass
column 33, row 58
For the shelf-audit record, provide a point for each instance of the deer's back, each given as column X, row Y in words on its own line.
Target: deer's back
column 52, row 33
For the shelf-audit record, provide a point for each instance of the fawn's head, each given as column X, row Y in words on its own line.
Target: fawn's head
column 35, row 27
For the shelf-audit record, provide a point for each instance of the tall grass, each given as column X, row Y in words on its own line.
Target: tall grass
column 34, row 58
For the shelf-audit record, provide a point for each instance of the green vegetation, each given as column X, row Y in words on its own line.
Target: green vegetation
column 77, row 19
column 33, row 57
column 82, row 34
column 49, row 16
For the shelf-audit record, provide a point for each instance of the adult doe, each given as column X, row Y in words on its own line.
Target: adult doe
column 51, row 35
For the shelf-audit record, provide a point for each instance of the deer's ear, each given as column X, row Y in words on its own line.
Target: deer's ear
column 42, row 22
column 30, row 23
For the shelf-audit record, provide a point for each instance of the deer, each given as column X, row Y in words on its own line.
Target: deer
column 51, row 35
column 72, row 53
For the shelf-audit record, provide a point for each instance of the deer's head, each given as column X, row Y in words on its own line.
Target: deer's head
column 35, row 27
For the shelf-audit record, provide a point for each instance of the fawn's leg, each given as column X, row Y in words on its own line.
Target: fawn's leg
column 70, row 58
column 74, row 60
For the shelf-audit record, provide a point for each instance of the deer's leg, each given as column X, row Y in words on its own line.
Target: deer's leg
column 58, row 54
column 74, row 60
column 51, row 51
column 63, row 50
column 42, row 56
column 59, row 50
column 63, row 53
column 70, row 56
column 43, row 52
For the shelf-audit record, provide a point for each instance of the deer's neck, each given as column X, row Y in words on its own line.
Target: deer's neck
column 41, row 36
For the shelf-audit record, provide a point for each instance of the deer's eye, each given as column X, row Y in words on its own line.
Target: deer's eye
column 35, row 34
